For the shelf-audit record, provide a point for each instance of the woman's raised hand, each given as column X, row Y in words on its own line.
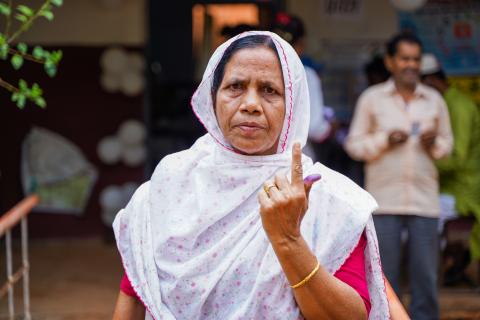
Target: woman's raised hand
column 283, row 204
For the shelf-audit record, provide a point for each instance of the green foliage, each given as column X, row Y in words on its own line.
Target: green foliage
column 4, row 51
column 25, row 93
column 37, row 52
column 55, row 57
column 50, row 68
column 47, row 14
column 5, row 9
column 17, row 61
column 26, row 11
column 19, row 53
column 22, row 48
column 21, row 17
column 51, row 59
column 3, row 47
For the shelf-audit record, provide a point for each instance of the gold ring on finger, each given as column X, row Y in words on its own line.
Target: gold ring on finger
column 298, row 169
column 268, row 187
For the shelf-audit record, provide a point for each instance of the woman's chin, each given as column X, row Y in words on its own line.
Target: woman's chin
column 253, row 150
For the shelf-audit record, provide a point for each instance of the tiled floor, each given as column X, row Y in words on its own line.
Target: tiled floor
column 79, row 279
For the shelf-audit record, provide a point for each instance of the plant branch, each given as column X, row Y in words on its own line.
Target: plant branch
column 25, row 56
column 8, row 22
column 28, row 23
column 8, row 86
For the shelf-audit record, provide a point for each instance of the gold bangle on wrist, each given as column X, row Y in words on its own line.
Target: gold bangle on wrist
column 305, row 280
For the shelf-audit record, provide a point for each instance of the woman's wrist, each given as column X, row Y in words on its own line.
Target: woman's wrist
column 296, row 258
column 288, row 244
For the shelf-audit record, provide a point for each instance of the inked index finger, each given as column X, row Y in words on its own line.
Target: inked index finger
column 297, row 169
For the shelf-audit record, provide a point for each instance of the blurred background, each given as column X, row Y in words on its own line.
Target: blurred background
column 121, row 101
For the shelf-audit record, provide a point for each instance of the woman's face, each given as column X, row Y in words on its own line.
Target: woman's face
column 250, row 102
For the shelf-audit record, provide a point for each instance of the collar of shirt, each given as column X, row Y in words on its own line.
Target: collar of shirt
column 391, row 89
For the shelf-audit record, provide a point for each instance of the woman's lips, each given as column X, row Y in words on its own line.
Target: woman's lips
column 249, row 127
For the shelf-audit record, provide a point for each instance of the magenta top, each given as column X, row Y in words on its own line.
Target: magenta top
column 352, row 272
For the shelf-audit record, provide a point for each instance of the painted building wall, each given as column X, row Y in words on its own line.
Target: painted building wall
column 91, row 22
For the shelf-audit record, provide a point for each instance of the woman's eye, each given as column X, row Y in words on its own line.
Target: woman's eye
column 235, row 86
column 268, row 90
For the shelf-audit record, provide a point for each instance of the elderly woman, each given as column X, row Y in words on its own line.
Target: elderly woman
column 230, row 229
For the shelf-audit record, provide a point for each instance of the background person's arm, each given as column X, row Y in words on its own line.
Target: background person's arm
column 319, row 127
column 362, row 144
column 128, row 308
column 443, row 143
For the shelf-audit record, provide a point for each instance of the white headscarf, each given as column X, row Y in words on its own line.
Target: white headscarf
column 191, row 239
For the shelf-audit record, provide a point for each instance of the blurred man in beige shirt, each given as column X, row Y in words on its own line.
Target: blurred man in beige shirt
column 399, row 128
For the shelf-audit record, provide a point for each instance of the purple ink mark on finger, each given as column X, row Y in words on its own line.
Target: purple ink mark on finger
column 312, row 178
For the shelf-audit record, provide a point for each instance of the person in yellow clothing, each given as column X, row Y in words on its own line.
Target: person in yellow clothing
column 460, row 172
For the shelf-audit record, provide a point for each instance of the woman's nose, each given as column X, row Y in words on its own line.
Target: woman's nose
column 251, row 102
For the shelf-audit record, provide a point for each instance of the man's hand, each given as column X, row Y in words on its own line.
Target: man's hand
column 427, row 139
column 397, row 137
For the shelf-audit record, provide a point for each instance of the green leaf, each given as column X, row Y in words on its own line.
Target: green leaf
column 3, row 40
column 56, row 56
column 46, row 54
column 5, row 9
column 19, row 98
column 22, row 85
column 38, row 52
column 22, row 47
column 21, row 101
column 58, row 3
column 50, row 69
column 21, row 17
column 17, row 61
column 40, row 102
column 4, row 51
column 36, row 91
column 25, row 10
column 47, row 14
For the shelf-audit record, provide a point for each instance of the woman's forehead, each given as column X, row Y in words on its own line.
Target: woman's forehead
column 259, row 60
